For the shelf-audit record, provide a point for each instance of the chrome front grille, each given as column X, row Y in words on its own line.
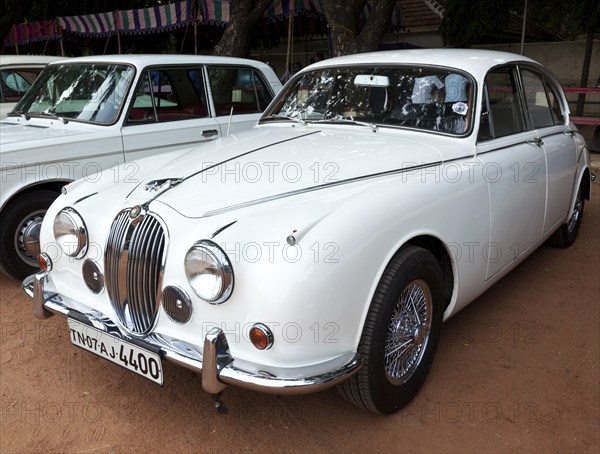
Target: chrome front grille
column 133, row 265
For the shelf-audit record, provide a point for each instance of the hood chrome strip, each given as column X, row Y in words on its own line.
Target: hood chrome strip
column 318, row 187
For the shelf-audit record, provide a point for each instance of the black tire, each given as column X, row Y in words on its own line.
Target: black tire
column 19, row 216
column 385, row 388
column 567, row 233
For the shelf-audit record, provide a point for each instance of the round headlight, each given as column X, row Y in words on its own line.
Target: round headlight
column 209, row 272
column 70, row 233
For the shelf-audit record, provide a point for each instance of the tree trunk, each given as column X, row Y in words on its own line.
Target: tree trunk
column 343, row 19
column 585, row 72
column 236, row 38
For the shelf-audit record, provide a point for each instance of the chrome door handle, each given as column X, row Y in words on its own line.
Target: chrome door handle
column 539, row 142
column 209, row 133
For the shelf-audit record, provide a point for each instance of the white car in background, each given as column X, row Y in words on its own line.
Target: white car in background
column 17, row 73
column 85, row 115
column 378, row 195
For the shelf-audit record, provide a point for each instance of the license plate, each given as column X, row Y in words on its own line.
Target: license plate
column 139, row 360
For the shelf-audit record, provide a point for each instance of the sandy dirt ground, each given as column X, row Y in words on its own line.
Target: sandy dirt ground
column 516, row 371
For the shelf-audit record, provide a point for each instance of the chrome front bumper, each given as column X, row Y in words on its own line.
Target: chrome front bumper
column 215, row 362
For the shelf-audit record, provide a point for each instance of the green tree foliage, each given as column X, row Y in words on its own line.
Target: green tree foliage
column 469, row 21
column 567, row 18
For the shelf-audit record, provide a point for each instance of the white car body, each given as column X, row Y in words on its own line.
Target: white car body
column 92, row 126
column 312, row 214
column 18, row 73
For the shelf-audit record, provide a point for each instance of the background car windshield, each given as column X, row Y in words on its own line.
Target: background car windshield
column 92, row 92
column 14, row 82
column 435, row 99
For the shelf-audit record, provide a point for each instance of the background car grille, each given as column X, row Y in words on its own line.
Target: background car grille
column 133, row 269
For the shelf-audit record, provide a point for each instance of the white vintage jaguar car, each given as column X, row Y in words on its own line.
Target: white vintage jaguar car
column 88, row 114
column 379, row 194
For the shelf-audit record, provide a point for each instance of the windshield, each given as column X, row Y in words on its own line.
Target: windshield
column 87, row 92
column 427, row 98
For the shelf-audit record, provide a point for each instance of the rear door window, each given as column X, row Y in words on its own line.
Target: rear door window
column 538, row 104
column 502, row 112
column 169, row 94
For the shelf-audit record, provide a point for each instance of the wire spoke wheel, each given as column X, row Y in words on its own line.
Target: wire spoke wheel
column 408, row 332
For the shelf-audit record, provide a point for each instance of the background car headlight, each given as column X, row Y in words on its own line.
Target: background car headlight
column 70, row 233
column 209, row 272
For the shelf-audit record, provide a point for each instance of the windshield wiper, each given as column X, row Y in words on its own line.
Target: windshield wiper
column 51, row 115
column 18, row 113
column 336, row 120
column 282, row 117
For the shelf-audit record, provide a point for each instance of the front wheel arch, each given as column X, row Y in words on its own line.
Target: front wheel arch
column 403, row 323
column 34, row 201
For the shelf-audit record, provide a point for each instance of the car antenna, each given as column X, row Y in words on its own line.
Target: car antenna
column 230, row 117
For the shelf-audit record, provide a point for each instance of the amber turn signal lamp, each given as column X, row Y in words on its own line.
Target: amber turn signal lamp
column 44, row 262
column 261, row 336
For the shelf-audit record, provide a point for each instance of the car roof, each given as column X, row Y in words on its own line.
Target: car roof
column 474, row 61
column 143, row 60
column 13, row 60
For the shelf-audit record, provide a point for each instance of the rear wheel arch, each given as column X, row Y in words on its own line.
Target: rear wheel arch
column 586, row 184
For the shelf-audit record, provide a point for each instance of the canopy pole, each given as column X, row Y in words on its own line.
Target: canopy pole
column 195, row 38
column 106, row 45
column 286, row 72
column 45, row 46
column 119, row 41
column 62, row 49
column 183, row 40
column 523, row 28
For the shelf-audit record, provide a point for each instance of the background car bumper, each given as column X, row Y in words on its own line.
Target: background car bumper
column 215, row 362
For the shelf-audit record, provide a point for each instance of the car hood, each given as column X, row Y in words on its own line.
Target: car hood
column 271, row 162
column 13, row 131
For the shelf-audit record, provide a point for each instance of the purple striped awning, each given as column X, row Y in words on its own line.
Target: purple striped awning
column 31, row 32
column 155, row 19
column 216, row 12
column 101, row 24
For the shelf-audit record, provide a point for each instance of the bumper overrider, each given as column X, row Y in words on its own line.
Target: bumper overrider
column 215, row 362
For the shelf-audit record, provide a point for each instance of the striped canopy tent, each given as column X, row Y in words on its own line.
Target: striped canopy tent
column 155, row 19
column 217, row 12
column 32, row 32
column 101, row 24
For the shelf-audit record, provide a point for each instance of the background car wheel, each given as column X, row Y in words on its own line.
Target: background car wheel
column 20, row 230
column 566, row 234
column 400, row 335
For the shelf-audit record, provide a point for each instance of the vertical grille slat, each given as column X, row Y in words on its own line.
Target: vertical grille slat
column 133, row 265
